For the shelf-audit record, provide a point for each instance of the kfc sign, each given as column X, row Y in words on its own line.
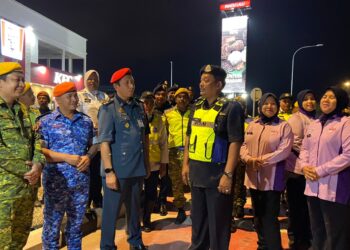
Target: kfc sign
column 60, row 77
column 41, row 74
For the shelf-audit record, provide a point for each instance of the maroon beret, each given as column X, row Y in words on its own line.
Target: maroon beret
column 119, row 74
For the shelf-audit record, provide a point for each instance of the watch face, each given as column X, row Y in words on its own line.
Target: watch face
column 108, row 170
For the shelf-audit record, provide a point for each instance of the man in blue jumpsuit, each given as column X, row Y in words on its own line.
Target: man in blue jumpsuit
column 123, row 134
column 66, row 136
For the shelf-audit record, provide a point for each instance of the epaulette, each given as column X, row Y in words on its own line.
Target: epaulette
column 41, row 116
column 109, row 102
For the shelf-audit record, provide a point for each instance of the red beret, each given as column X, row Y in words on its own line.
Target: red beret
column 119, row 74
column 63, row 88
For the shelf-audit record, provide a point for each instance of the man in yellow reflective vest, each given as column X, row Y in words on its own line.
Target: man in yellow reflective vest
column 177, row 121
column 214, row 137
column 286, row 106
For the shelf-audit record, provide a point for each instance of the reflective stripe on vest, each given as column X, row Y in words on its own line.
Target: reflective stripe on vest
column 204, row 145
column 177, row 127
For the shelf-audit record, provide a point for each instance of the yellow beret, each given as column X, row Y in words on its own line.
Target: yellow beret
column 182, row 90
column 26, row 87
column 64, row 88
column 8, row 67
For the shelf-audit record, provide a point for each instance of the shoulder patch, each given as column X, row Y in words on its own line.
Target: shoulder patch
column 41, row 116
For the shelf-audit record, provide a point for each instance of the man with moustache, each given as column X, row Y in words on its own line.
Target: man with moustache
column 66, row 139
column 43, row 100
column 214, row 137
column 21, row 160
column 90, row 100
column 123, row 137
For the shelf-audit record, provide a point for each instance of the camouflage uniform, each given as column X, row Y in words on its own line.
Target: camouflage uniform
column 18, row 144
column 66, row 189
column 176, row 157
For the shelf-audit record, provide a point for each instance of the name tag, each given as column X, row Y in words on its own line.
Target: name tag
column 140, row 123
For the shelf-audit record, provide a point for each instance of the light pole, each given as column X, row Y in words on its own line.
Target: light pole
column 301, row 48
column 171, row 73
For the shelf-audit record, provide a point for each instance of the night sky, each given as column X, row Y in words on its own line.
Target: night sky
column 147, row 34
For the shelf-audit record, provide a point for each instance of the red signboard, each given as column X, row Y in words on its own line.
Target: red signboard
column 235, row 5
column 51, row 77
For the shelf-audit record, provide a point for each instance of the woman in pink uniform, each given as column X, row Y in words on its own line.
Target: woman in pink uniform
column 325, row 161
column 299, row 232
column 267, row 143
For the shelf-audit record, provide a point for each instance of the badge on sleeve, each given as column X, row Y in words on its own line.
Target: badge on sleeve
column 127, row 125
column 140, row 123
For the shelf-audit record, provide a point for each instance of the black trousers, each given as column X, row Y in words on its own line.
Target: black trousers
column 211, row 219
column 330, row 224
column 266, row 205
column 164, row 188
column 151, row 187
column 95, row 188
column 299, row 232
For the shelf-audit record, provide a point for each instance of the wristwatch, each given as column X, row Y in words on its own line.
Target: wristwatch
column 229, row 174
column 109, row 170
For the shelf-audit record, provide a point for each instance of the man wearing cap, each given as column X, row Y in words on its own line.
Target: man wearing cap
column 176, row 120
column 90, row 100
column 160, row 94
column 21, row 160
column 170, row 93
column 123, row 136
column 43, row 101
column 161, row 104
column 214, row 137
column 286, row 105
column 28, row 99
column 158, row 156
column 66, row 139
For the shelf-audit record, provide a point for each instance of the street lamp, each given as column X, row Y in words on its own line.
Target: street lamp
column 301, row 48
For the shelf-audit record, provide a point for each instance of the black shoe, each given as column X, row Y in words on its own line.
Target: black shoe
column 147, row 227
column 139, row 247
column 163, row 210
column 181, row 217
column 233, row 226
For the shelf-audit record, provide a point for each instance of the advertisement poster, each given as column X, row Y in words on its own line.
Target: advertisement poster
column 233, row 52
column 12, row 40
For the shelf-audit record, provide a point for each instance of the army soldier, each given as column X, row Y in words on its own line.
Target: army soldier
column 158, row 156
column 43, row 100
column 214, row 137
column 20, row 160
column 28, row 99
column 123, row 134
column 177, row 121
column 66, row 136
column 90, row 100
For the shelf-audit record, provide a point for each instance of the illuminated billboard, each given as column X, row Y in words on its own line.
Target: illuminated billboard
column 12, row 40
column 233, row 52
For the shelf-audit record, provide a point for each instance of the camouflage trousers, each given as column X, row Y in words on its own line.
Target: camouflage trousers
column 239, row 198
column 16, row 211
column 176, row 157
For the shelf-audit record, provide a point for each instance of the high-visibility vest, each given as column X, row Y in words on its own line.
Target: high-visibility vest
column 204, row 145
column 177, row 126
column 156, row 125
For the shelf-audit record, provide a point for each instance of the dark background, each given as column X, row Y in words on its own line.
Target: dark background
column 147, row 34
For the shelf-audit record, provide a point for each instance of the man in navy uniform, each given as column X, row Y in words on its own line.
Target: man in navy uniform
column 123, row 134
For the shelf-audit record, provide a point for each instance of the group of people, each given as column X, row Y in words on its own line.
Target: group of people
column 127, row 145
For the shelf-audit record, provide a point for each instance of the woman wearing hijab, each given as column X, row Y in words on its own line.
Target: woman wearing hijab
column 325, row 161
column 267, row 143
column 299, row 224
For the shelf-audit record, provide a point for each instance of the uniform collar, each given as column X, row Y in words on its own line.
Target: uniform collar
column 57, row 114
column 123, row 103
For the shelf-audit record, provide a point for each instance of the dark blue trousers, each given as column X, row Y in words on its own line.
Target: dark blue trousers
column 129, row 192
